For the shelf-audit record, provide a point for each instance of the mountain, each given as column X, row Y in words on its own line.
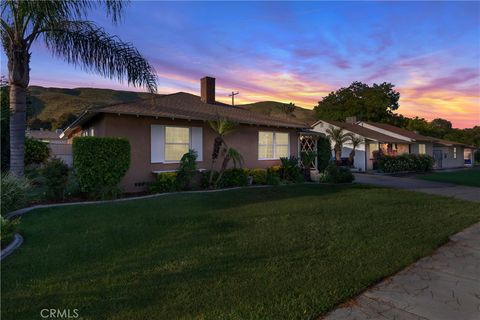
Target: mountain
column 56, row 107
column 274, row 108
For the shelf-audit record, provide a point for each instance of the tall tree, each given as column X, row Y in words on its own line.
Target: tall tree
column 371, row 103
column 62, row 26
column 338, row 137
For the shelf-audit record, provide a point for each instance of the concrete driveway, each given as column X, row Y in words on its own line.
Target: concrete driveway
column 443, row 286
column 438, row 188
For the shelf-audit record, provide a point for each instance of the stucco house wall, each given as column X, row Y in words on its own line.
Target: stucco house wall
column 138, row 131
column 448, row 160
column 428, row 148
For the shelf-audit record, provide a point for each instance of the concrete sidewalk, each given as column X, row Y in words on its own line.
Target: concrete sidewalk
column 438, row 188
column 443, row 286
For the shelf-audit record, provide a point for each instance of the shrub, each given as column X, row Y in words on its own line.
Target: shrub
column 36, row 151
column 73, row 187
column 405, row 162
column 234, row 177
column 165, row 182
column 8, row 229
column 14, row 192
column 187, row 170
column 290, row 169
column 335, row 174
column 56, row 178
column 259, row 176
column 100, row 164
column 324, row 153
column 273, row 178
column 476, row 156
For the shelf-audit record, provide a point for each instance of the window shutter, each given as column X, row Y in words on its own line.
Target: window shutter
column 157, row 143
column 197, row 141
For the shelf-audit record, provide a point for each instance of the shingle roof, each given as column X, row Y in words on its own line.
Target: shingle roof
column 183, row 105
column 365, row 132
column 401, row 131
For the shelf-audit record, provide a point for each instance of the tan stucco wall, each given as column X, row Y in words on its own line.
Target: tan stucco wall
column 137, row 130
column 448, row 161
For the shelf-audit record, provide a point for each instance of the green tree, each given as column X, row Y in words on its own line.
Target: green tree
column 355, row 141
column 370, row 103
column 221, row 127
column 62, row 26
column 338, row 137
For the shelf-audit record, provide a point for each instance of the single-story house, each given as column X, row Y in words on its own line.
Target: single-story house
column 163, row 128
column 392, row 140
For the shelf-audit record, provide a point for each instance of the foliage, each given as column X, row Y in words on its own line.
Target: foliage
column 288, row 109
column 14, row 192
column 370, row 103
column 56, row 178
column 5, row 125
column 324, row 153
column 230, row 155
column 259, row 176
column 234, row 177
column 100, row 164
column 405, row 163
column 355, row 141
column 165, row 182
column 187, row 170
column 72, row 188
column 290, row 169
column 308, row 157
column 36, row 151
column 8, row 230
column 221, row 127
column 338, row 137
column 476, row 156
column 335, row 174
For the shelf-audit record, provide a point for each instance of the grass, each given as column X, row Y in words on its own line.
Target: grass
column 291, row 252
column 467, row 177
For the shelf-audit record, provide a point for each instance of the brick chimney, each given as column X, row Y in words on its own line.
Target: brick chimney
column 207, row 89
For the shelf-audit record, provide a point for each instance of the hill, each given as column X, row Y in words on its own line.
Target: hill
column 274, row 108
column 57, row 107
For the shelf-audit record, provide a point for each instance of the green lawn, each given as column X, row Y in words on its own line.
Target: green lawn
column 467, row 177
column 290, row 252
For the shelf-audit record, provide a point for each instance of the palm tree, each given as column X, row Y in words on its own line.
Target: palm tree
column 221, row 127
column 61, row 25
column 233, row 155
column 355, row 141
column 338, row 137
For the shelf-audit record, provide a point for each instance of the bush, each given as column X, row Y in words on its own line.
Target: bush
column 233, row 178
column 14, row 192
column 56, row 178
column 324, row 153
column 187, row 170
column 36, row 151
column 165, row 182
column 290, row 170
column 476, row 156
column 8, row 229
column 335, row 174
column 100, row 164
column 259, row 176
column 405, row 162
column 73, row 187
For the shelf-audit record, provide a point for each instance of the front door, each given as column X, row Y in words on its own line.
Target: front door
column 437, row 156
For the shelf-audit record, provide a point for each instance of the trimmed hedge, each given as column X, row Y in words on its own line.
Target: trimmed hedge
column 405, row 163
column 259, row 176
column 36, row 151
column 336, row 174
column 100, row 164
column 165, row 182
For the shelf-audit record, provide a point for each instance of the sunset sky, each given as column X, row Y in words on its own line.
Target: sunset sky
column 299, row 52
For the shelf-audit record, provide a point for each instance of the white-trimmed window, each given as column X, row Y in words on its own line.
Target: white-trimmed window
column 177, row 142
column 422, row 148
column 89, row 132
column 169, row 143
column 454, row 152
column 273, row 145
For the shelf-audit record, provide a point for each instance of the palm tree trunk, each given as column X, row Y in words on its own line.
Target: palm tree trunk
column 226, row 160
column 18, row 104
column 19, row 77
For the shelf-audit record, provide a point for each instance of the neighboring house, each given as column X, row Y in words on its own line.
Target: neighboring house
column 59, row 147
column 163, row 128
column 447, row 154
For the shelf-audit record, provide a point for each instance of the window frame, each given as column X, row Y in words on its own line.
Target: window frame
column 165, row 143
column 454, row 152
column 274, row 144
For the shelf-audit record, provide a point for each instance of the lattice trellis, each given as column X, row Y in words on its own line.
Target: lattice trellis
column 309, row 143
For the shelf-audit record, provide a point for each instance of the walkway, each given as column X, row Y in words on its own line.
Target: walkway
column 443, row 286
column 438, row 188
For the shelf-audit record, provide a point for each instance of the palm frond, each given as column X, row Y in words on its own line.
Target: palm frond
column 236, row 157
column 222, row 126
column 84, row 44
